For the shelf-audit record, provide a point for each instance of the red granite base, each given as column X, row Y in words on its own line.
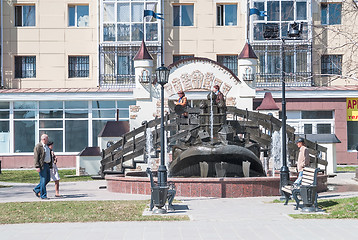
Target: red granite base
column 207, row 187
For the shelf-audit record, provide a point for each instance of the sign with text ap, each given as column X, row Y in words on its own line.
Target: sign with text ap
column 352, row 109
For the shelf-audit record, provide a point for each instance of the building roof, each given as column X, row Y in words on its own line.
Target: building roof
column 268, row 103
column 247, row 52
column 321, row 138
column 64, row 90
column 114, row 129
column 143, row 53
column 90, row 151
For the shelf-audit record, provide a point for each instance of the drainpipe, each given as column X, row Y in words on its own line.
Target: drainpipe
column 2, row 46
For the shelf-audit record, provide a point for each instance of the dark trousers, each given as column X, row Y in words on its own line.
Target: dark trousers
column 44, row 180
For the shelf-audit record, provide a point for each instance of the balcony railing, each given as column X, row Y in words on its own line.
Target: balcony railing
column 117, row 81
column 302, row 79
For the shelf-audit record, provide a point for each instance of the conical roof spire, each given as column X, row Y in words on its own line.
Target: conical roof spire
column 247, row 52
column 268, row 103
column 143, row 53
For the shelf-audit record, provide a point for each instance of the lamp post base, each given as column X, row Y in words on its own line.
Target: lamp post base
column 284, row 179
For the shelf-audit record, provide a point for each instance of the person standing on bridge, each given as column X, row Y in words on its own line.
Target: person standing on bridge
column 181, row 104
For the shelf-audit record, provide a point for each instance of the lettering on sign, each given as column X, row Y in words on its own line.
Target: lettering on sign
column 196, row 80
column 352, row 109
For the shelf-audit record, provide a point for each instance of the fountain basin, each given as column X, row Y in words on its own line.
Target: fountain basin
column 208, row 187
column 188, row 161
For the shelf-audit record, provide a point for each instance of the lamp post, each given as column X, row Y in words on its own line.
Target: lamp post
column 162, row 78
column 284, row 171
column 272, row 32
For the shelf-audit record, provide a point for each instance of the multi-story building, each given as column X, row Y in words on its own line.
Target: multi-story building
column 67, row 66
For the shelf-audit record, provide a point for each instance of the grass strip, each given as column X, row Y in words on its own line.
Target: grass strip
column 347, row 169
column 78, row 211
column 31, row 176
column 346, row 208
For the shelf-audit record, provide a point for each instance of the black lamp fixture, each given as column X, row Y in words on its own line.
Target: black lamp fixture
column 162, row 75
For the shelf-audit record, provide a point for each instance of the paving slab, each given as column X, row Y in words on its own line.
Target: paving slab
column 211, row 218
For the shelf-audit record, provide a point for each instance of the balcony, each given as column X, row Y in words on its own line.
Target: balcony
column 302, row 79
column 117, row 81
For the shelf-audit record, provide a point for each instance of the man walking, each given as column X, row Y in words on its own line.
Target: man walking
column 43, row 163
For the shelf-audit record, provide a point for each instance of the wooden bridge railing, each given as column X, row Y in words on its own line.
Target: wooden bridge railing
column 256, row 127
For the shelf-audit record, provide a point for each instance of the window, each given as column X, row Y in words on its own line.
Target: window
column 78, row 16
column 78, row 66
column 25, row 66
column 229, row 61
column 226, row 15
column 323, row 128
column 123, row 21
column 280, row 13
column 72, row 125
column 317, row 115
column 331, row 64
column 183, row 15
column 125, row 65
column 180, row 57
column 311, row 122
column 25, row 15
column 331, row 13
column 297, row 67
column 352, row 134
column 307, row 128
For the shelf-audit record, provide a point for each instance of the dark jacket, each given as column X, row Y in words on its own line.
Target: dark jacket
column 39, row 156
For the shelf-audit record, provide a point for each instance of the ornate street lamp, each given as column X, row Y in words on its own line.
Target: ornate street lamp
column 159, row 191
column 272, row 32
column 162, row 78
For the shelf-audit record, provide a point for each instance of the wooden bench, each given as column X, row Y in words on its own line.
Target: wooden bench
column 309, row 179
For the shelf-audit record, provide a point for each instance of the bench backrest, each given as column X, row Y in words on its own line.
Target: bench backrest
column 309, row 176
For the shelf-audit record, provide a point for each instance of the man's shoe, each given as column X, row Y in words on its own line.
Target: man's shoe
column 36, row 194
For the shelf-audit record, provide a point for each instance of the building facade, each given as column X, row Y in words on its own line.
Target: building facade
column 67, row 66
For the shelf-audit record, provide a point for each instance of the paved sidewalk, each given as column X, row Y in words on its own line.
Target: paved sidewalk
column 211, row 218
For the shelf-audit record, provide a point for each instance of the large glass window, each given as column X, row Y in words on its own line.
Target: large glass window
column 51, row 109
column 78, row 15
column 296, row 59
column 183, row 15
column 312, row 122
column 280, row 13
column 123, row 21
column 72, row 125
column 55, row 136
column 331, row 64
column 25, row 15
column 76, row 132
column 226, row 15
column 78, row 66
column 352, row 134
column 24, row 136
column 229, row 61
column 331, row 13
column 4, row 127
column 25, row 66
